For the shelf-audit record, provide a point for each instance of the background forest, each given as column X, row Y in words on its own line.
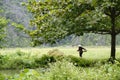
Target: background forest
column 13, row 11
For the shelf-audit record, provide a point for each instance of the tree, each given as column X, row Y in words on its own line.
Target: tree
column 13, row 11
column 3, row 24
column 55, row 19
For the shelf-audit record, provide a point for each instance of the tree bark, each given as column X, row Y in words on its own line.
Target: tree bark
column 113, row 46
column 113, row 36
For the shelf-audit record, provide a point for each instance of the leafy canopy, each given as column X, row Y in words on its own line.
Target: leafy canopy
column 55, row 19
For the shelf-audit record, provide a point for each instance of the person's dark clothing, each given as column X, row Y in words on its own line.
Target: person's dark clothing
column 81, row 50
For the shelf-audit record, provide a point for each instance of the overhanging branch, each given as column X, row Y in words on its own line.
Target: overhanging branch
column 107, row 13
column 118, row 13
column 118, row 31
column 100, row 31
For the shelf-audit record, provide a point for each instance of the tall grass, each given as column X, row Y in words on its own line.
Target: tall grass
column 58, row 64
column 92, row 52
column 64, row 70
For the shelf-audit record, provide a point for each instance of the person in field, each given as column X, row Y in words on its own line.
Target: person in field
column 81, row 50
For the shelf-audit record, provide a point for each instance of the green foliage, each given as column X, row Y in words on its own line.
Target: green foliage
column 57, row 54
column 81, row 61
column 2, row 77
column 64, row 70
column 21, row 60
column 51, row 67
column 18, row 26
column 26, row 74
column 71, row 17
column 13, row 11
column 17, row 60
column 3, row 24
column 44, row 60
column 53, row 20
column 26, row 60
column 67, row 71
column 4, row 59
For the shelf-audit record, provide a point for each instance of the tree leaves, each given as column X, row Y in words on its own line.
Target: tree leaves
column 3, row 24
column 55, row 19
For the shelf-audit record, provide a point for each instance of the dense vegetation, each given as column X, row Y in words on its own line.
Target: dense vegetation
column 15, row 12
column 55, row 65
column 73, row 17
column 59, row 22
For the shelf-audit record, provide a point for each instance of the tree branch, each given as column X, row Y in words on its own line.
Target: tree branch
column 101, row 32
column 107, row 13
column 117, row 14
column 118, row 31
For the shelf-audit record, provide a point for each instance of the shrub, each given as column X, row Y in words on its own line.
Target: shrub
column 55, row 52
column 26, row 74
column 4, row 59
column 80, row 61
column 19, row 60
column 44, row 60
column 2, row 77
column 19, row 53
column 20, row 63
column 62, row 70
column 17, row 64
column 1, row 59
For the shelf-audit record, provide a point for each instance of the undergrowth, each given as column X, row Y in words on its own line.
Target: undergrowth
column 55, row 66
column 21, row 60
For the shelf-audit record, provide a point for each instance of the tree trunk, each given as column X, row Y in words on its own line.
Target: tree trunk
column 113, row 35
column 113, row 46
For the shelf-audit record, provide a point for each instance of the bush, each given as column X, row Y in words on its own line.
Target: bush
column 2, row 77
column 44, row 60
column 81, row 61
column 55, row 52
column 62, row 70
column 17, row 64
column 67, row 71
column 20, row 63
column 4, row 59
column 26, row 74
column 20, row 53
column 20, row 60
column 66, row 68
column 1, row 59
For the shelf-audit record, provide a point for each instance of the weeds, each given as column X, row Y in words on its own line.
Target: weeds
column 58, row 67
column 64, row 70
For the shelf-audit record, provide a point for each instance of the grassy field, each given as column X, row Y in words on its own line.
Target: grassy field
column 92, row 52
column 100, row 71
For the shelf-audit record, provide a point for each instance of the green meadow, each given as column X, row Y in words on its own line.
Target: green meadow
column 58, row 63
column 92, row 52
